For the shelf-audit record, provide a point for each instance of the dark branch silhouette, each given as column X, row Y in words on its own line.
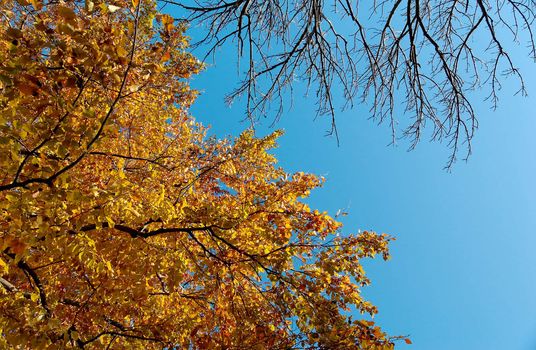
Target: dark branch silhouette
column 420, row 57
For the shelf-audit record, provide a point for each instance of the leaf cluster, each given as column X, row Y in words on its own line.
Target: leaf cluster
column 123, row 226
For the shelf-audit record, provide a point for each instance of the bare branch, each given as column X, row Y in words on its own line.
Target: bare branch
column 421, row 56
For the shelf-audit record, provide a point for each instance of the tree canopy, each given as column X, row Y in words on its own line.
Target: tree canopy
column 413, row 62
column 122, row 225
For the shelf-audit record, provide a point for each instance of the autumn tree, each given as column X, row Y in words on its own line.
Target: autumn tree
column 122, row 225
column 418, row 58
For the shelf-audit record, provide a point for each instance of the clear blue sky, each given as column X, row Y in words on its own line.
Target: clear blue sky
column 463, row 270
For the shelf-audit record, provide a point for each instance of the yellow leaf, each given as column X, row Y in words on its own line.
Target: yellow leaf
column 4, row 268
column 113, row 8
column 90, row 6
column 66, row 12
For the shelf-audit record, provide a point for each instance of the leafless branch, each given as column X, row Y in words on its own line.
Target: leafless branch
column 422, row 56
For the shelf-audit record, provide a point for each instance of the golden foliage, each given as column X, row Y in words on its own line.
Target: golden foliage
column 123, row 226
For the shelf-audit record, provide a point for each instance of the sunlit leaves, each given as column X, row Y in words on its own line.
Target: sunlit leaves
column 122, row 225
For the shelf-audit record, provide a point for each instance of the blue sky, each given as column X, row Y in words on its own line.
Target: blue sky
column 463, row 265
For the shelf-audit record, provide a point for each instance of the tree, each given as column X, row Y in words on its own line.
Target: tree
column 429, row 54
column 123, row 226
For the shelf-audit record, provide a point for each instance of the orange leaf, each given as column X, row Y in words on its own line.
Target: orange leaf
column 166, row 56
column 27, row 88
column 17, row 246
